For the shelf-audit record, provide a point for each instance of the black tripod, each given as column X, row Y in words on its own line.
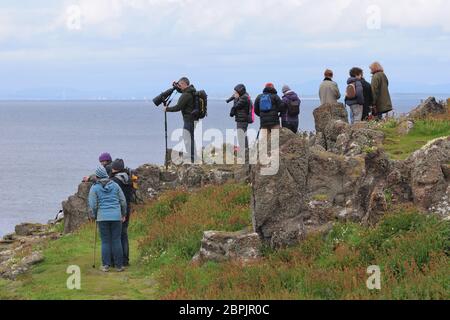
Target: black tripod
column 167, row 103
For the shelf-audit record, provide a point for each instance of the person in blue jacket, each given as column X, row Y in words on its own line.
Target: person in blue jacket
column 108, row 207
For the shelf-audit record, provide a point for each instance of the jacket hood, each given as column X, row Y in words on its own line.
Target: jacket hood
column 123, row 177
column 107, row 185
column 291, row 95
column 240, row 88
column 352, row 80
column 270, row 90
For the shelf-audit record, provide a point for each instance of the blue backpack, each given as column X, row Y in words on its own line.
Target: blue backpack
column 265, row 104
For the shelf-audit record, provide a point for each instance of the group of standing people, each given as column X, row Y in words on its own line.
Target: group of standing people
column 366, row 100
column 110, row 206
column 110, row 195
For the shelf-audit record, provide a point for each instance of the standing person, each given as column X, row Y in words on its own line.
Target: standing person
column 105, row 160
column 329, row 90
column 354, row 97
column 241, row 112
column 108, row 207
column 123, row 179
column 268, row 107
column 291, row 112
column 368, row 98
column 382, row 102
column 186, row 106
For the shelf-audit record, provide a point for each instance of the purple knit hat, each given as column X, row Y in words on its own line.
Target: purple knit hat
column 105, row 157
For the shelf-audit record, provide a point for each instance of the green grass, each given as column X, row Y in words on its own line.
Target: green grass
column 48, row 280
column 411, row 249
column 401, row 147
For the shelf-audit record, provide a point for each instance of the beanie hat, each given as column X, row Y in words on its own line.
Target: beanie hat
column 118, row 165
column 270, row 85
column 101, row 173
column 105, row 157
column 286, row 88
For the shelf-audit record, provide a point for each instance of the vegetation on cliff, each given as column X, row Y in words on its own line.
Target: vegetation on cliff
column 411, row 248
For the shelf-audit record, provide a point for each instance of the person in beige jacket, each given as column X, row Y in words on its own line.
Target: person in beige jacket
column 329, row 90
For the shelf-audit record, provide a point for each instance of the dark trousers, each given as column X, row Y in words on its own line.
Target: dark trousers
column 125, row 244
column 188, row 137
column 293, row 126
column 366, row 112
column 242, row 128
column 110, row 233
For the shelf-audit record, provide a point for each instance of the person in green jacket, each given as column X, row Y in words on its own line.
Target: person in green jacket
column 186, row 106
column 382, row 102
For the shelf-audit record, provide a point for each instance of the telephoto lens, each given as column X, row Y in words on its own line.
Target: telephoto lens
column 163, row 97
column 230, row 99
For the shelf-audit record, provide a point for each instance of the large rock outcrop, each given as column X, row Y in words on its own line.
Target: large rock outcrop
column 424, row 178
column 429, row 107
column 352, row 180
column 76, row 208
column 314, row 187
column 327, row 113
column 21, row 250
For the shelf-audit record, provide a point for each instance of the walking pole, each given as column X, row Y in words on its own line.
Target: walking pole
column 95, row 244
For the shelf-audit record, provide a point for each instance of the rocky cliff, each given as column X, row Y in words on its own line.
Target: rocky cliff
column 341, row 173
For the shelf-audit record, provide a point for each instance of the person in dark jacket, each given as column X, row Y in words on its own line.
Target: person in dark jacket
column 122, row 178
column 356, row 103
column 186, row 106
column 268, row 107
column 108, row 206
column 241, row 113
column 368, row 98
column 290, row 99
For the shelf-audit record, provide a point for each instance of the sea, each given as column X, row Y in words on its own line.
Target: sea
column 47, row 147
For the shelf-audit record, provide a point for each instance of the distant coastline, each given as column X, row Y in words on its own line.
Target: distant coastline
column 308, row 96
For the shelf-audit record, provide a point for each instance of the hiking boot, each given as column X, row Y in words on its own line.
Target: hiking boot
column 121, row 269
column 104, row 269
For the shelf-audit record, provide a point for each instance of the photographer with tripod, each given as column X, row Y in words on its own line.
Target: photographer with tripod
column 186, row 106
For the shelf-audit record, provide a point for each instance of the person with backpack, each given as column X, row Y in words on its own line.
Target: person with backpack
column 105, row 160
column 268, row 107
column 354, row 96
column 329, row 90
column 368, row 98
column 291, row 112
column 186, row 104
column 108, row 206
column 382, row 102
column 121, row 176
column 242, row 113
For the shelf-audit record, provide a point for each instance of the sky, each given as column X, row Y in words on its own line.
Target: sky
column 122, row 49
